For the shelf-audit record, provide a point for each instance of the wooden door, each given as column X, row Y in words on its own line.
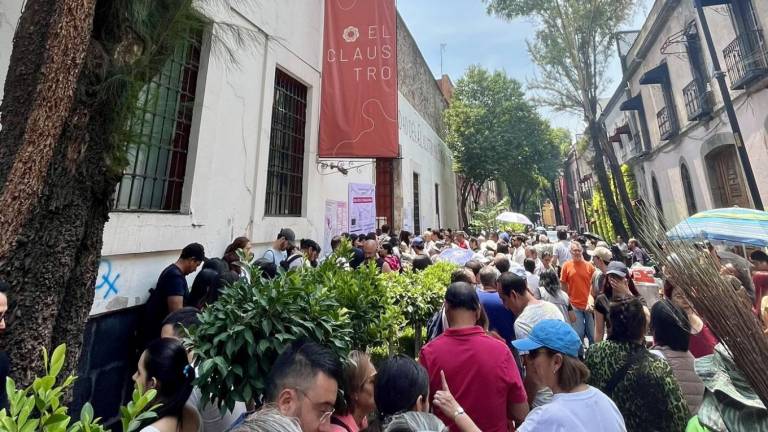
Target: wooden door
column 728, row 185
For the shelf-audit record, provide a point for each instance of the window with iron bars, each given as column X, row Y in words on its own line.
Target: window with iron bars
column 285, row 169
column 416, row 204
column 158, row 135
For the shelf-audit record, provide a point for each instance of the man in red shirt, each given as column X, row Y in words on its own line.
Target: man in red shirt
column 479, row 369
column 576, row 277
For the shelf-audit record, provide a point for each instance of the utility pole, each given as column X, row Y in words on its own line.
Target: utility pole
column 727, row 102
column 442, row 51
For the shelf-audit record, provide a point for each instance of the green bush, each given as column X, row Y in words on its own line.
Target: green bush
column 242, row 334
column 363, row 294
column 39, row 407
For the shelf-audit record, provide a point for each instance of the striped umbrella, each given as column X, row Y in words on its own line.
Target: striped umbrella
column 733, row 224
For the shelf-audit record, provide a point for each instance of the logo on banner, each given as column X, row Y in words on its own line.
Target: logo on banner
column 351, row 34
column 358, row 114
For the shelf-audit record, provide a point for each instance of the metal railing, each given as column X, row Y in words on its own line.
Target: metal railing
column 746, row 59
column 696, row 100
column 667, row 124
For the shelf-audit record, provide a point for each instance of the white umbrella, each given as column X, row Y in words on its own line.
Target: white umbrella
column 512, row 217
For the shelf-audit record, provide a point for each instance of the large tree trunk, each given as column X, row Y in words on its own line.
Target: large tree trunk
column 56, row 235
column 605, row 184
column 463, row 198
column 618, row 178
column 40, row 229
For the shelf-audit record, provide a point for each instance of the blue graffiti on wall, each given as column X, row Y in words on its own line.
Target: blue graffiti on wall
column 107, row 280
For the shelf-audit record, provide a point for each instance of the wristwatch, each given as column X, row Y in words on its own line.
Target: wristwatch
column 458, row 412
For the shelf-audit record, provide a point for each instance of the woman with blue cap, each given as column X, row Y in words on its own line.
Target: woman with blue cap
column 552, row 359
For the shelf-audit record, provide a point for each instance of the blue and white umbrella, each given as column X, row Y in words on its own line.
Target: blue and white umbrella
column 733, row 225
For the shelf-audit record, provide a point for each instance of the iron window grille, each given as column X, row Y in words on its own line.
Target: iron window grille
column 746, row 59
column 286, row 147
column 696, row 100
column 416, row 205
column 158, row 133
column 667, row 126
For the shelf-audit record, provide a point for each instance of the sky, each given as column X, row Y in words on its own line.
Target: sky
column 473, row 37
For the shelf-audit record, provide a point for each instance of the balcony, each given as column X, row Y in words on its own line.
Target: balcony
column 697, row 101
column 667, row 124
column 746, row 59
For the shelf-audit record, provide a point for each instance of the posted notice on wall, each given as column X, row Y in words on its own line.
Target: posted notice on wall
column 362, row 208
column 335, row 221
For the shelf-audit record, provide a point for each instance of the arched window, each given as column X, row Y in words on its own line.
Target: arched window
column 656, row 194
column 690, row 198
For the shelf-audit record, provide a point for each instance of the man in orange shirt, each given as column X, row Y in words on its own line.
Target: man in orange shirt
column 576, row 277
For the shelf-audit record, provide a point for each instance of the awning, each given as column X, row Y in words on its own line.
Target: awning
column 634, row 103
column 706, row 3
column 657, row 75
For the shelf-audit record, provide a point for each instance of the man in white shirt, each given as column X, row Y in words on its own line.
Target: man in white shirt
column 277, row 253
column 531, row 278
column 516, row 297
column 562, row 250
column 518, row 250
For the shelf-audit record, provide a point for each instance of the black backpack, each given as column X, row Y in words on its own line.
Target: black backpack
column 286, row 263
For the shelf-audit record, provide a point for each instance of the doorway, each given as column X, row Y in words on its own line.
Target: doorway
column 726, row 180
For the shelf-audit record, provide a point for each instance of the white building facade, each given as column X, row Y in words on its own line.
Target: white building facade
column 667, row 120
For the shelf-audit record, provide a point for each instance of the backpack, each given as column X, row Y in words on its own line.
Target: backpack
column 286, row 263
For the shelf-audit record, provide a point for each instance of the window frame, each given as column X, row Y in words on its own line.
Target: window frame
column 285, row 191
column 181, row 131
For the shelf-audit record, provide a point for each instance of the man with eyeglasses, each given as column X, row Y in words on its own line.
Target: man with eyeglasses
column 303, row 383
column 576, row 278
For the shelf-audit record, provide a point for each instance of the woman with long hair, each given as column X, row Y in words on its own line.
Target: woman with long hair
column 671, row 338
column 549, row 287
column 641, row 384
column 230, row 253
column 703, row 341
column 356, row 402
column 401, row 393
column 617, row 285
column 164, row 367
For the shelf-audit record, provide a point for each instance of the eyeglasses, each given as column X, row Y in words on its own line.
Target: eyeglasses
column 326, row 414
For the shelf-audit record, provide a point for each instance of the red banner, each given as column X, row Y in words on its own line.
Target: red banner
column 358, row 114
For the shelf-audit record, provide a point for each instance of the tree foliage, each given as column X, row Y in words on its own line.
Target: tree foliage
column 572, row 48
column 492, row 129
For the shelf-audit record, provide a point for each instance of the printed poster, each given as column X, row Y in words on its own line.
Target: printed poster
column 362, row 208
column 335, row 222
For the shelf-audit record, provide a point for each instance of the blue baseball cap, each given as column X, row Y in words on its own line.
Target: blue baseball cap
column 504, row 236
column 553, row 334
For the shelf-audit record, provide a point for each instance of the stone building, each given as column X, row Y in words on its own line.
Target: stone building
column 213, row 164
column 666, row 118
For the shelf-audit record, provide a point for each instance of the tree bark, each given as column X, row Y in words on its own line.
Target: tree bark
column 605, row 184
column 618, row 178
column 40, row 223
column 463, row 197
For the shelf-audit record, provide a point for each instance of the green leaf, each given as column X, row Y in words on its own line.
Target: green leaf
column 57, row 359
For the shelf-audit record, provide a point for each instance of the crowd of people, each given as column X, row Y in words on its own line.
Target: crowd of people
column 533, row 335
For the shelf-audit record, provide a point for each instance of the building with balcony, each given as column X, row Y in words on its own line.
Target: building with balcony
column 666, row 118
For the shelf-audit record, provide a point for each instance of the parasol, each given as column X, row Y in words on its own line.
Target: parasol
column 512, row 217
column 735, row 225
